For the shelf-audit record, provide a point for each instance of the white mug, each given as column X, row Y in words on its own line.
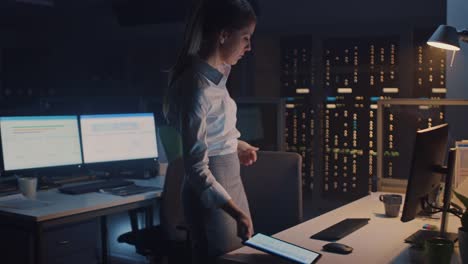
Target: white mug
column 28, row 186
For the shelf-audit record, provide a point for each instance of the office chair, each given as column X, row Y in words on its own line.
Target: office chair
column 171, row 238
column 273, row 186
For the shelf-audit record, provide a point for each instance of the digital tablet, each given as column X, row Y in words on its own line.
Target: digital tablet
column 282, row 248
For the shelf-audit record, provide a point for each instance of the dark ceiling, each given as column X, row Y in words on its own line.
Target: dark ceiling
column 40, row 13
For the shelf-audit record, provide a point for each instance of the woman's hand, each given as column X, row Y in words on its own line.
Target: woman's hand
column 247, row 153
column 244, row 223
column 244, row 227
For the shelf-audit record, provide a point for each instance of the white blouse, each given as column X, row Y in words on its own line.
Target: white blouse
column 208, row 127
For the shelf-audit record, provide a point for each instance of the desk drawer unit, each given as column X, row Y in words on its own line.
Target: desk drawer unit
column 70, row 243
column 16, row 245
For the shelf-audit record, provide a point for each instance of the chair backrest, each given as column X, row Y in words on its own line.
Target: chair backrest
column 171, row 213
column 274, row 189
column 171, row 141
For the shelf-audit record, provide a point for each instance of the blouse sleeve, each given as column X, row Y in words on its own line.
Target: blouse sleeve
column 195, row 151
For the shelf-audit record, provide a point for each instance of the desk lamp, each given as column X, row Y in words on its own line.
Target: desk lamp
column 447, row 38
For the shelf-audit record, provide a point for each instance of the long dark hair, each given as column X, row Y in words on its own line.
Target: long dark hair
column 207, row 19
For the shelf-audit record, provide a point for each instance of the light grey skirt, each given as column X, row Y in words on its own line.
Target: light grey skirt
column 213, row 231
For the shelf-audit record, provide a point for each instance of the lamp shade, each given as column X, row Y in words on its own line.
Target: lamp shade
column 445, row 37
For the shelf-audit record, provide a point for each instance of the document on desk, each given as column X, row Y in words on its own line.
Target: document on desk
column 23, row 204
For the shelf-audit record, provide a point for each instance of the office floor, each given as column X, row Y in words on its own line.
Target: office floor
column 117, row 260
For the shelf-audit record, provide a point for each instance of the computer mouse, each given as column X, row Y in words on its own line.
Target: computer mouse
column 337, row 248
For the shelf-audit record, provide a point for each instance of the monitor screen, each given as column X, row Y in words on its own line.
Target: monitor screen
column 261, row 122
column 249, row 120
column 429, row 151
column 118, row 137
column 30, row 142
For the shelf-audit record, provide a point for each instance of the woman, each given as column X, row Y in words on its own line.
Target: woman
column 216, row 209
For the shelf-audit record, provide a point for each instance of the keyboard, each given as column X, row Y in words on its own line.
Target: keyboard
column 8, row 189
column 130, row 190
column 341, row 229
column 95, row 186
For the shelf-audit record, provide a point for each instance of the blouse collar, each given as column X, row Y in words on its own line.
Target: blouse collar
column 211, row 73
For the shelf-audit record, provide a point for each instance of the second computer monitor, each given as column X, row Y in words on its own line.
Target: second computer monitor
column 118, row 137
column 39, row 142
column 429, row 153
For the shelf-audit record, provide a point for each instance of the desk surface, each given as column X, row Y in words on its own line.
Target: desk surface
column 380, row 241
column 52, row 204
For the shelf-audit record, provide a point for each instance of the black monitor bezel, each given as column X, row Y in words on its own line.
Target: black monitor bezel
column 420, row 185
column 280, row 107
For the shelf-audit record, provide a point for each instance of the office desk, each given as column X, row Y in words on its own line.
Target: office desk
column 60, row 221
column 380, row 241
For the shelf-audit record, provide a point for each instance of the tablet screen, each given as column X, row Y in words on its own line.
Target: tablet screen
column 282, row 248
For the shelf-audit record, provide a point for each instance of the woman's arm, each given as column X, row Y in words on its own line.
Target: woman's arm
column 195, row 154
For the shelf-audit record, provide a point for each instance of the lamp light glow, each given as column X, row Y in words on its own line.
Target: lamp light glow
column 445, row 37
column 444, row 46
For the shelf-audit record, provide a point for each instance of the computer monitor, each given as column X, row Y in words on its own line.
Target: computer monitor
column 424, row 181
column 112, row 141
column 32, row 142
column 429, row 151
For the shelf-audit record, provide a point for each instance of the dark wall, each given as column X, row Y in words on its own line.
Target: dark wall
column 283, row 14
column 84, row 51
column 457, row 82
column 79, row 47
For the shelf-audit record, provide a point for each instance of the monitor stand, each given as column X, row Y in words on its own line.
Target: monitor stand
column 420, row 236
column 417, row 239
